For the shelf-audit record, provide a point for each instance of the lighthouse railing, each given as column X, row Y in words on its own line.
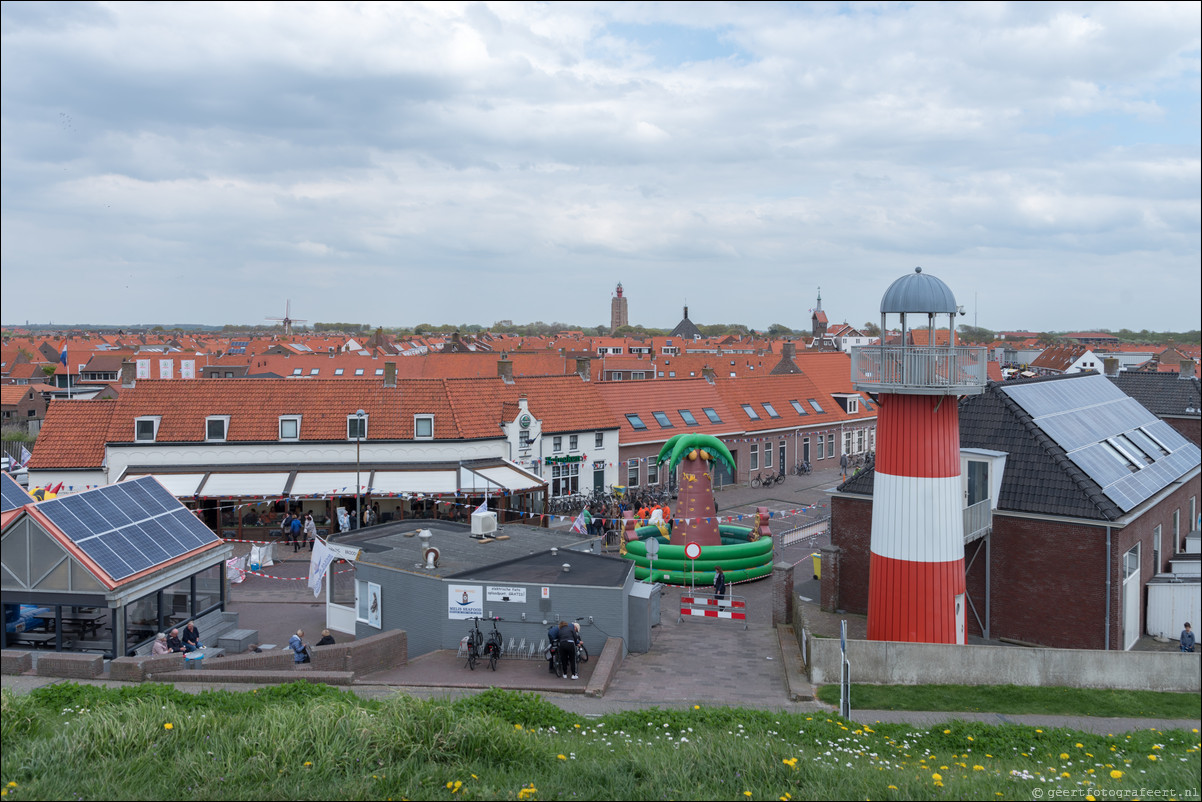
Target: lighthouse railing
column 919, row 367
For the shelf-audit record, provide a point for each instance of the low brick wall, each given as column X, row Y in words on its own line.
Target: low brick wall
column 136, row 669
column 893, row 663
column 70, row 665
column 376, row 652
column 607, row 667
column 271, row 677
column 13, row 661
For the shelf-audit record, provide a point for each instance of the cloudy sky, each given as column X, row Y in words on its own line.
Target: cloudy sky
column 471, row 162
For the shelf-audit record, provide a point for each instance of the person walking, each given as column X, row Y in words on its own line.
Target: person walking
column 719, row 584
column 296, row 527
column 1187, row 638
column 310, row 530
column 843, row 466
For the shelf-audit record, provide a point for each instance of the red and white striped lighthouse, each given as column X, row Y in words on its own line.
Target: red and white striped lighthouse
column 916, row 574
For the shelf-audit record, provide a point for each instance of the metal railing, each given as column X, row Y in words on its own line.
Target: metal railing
column 978, row 520
column 900, row 367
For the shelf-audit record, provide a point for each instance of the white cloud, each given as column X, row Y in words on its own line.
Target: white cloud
column 699, row 151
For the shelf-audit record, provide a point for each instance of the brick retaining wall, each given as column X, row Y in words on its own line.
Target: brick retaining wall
column 13, row 661
column 70, row 666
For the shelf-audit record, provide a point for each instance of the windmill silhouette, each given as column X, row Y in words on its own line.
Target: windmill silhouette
column 287, row 318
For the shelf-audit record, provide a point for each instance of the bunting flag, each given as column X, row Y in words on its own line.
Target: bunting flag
column 580, row 526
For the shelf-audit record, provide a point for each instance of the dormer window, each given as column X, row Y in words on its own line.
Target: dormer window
column 146, row 429
column 423, row 427
column 290, row 427
column 356, row 427
column 216, row 428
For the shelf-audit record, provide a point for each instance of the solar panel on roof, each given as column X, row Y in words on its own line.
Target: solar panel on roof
column 1088, row 417
column 14, row 495
column 128, row 527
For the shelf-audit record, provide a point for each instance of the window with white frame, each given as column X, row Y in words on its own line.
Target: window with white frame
column 356, row 427
column 638, row 374
column 146, row 429
column 853, row 406
column 821, row 447
column 847, row 443
column 859, row 441
column 599, row 440
column 557, row 444
column 754, row 460
column 423, row 427
column 565, row 479
column 632, row 473
column 216, row 427
column 573, row 442
column 652, row 472
column 768, row 456
column 290, row 427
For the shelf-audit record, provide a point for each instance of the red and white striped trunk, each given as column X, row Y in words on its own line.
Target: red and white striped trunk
column 917, row 562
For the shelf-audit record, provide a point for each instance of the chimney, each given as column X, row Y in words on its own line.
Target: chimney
column 128, row 373
column 788, row 350
column 584, row 368
column 1187, row 369
column 505, row 369
column 390, row 374
column 1111, row 366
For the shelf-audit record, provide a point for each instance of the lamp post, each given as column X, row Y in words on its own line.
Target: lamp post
column 359, row 416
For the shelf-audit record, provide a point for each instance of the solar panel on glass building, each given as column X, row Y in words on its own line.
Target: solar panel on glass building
column 14, row 495
column 128, row 527
column 1119, row 444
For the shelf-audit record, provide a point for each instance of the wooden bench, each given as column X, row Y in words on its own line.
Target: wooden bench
column 238, row 640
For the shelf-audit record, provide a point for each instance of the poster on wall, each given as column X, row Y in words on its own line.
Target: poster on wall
column 465, row 601
column 505, row 593
column 166, row 368
column 143, row 370
column 373, row 604
column 187, row 368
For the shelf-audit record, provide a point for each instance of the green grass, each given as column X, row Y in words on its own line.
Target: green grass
column 312, row 742
column 1020, row 699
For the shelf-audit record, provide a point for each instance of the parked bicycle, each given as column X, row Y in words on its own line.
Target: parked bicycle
column 802, row 469
column 581, row 651
column 492, row 649
column 475, row 639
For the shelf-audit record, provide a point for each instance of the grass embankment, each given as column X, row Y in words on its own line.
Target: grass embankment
column 1015, row 699
column 305, row 741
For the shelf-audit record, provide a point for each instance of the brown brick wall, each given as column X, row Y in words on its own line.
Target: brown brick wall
column 851, row 531
column 782, row 593
column 71, row 666
column 135, row 669
column 14, row 661
column 1189, row 428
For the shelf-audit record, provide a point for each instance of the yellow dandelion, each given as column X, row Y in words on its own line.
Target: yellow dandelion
column 698, row 707
column 1064, row 755
column 168, row 726
column 978, row 768
column 517, row 726
column 746, row 793
column 1039, row 730
column 893, row 788
column 1151, row 757
column 1116, row 774
column 1079, row 746
column 308, row 763
column 947, row 732
column 1065, row 774
column 791, row 762
column 562, row 757
column 937, row 777
column 1090, row 798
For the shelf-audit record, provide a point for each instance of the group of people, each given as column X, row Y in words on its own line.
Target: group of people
column 175, row 642
column 563, row 638
column 297, row 530
column 300, row 649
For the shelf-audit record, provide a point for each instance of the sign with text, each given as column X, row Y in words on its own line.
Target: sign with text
column 505, row 593
column 465, row 601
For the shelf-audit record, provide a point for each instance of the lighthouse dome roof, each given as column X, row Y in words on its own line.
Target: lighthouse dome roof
column 918, row 292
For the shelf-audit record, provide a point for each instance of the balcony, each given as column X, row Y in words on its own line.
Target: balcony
column 978, row 520
column 914, row 370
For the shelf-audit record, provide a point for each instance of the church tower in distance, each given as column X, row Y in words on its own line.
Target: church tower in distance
column 618, row 315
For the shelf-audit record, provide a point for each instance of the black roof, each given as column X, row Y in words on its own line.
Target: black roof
column 1040, row 477
column 1164, row 394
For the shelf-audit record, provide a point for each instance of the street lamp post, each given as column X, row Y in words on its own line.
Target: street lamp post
column 359, row 415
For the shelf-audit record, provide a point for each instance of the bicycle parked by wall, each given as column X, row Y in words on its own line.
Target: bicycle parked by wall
column 802, row 469
column 474, row 639
column 492, row 649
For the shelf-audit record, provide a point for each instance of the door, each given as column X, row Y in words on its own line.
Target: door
column 781, row 452
column 961, row 630
column 805, row 449
column 1132, row 591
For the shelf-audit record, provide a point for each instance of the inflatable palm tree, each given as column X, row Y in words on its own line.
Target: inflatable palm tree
column 696, row 519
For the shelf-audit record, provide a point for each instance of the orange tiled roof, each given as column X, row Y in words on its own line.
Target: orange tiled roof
column 73, row 435
column 668, row 396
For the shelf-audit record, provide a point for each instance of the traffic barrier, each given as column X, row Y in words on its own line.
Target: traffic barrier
column 732, row 607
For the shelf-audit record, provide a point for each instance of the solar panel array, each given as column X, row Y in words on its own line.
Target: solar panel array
column 14, row 495
column 1109, row 435
column 128, row 527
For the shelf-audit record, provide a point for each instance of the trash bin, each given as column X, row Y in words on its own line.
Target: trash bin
column 817, row 565
column 193, row 659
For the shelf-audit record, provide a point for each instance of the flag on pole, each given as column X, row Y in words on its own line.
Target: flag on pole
column 580, row 525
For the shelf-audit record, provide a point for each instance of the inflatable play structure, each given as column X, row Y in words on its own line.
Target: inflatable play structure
column 742, row 552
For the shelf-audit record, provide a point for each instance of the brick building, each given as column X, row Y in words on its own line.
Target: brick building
column 1075, row 496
